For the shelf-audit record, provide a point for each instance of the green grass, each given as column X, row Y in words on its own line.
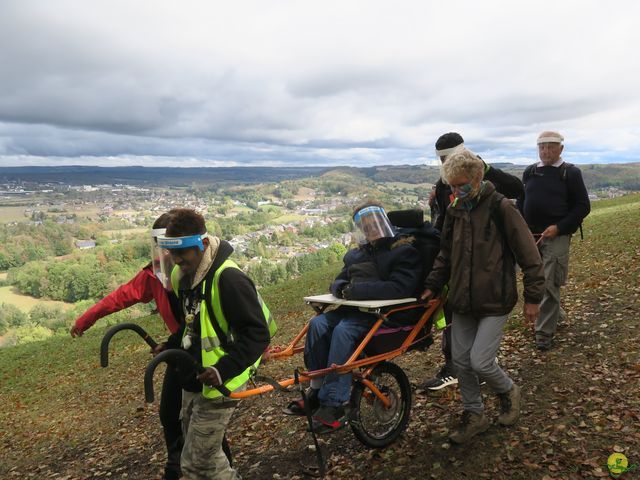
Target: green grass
column 12, row 214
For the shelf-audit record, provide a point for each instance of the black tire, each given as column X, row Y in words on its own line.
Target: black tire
column 371, row 422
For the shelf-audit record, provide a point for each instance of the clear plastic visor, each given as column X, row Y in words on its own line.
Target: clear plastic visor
column 161, row 261
column 372, row 224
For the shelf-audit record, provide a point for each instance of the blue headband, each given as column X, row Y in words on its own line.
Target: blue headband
column 367, row 211
column 174, row 243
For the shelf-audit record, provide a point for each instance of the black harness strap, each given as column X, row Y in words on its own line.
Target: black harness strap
column 307, row 411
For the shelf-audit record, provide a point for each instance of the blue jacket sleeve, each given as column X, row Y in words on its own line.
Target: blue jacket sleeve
column 339, row 283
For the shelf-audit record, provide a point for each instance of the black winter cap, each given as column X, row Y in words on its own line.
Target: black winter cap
column 449, row 140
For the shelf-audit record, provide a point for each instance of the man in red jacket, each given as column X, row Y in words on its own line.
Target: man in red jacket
column 151, row 283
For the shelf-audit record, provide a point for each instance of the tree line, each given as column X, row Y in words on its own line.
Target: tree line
column 22, row 243
column 83, row 275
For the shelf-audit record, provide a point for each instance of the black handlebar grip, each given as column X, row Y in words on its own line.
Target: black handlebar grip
column 104, row 346
column 173, row 355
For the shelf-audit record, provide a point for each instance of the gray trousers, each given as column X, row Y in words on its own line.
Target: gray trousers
column 555, row 258
column 475, row 342
column 204, row 422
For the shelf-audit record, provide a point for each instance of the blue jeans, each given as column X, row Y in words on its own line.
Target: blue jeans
column 332, row 338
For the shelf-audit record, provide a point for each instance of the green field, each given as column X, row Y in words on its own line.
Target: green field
column 125, row 232
column 410, row 186
column 12, row 214
column 292, row 217
column 25, row 303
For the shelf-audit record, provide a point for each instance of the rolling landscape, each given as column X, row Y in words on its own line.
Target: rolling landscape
column 67, row 418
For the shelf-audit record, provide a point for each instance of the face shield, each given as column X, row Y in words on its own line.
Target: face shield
column 174, row 243
column 372, row 224
column 161, row 260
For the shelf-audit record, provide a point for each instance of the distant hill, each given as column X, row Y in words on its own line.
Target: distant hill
column 622, row 175
column 79, row 175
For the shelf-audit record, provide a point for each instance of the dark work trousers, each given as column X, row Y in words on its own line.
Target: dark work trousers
column 170, row 405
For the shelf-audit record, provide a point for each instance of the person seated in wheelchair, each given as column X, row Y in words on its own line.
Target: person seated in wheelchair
column 382, row 267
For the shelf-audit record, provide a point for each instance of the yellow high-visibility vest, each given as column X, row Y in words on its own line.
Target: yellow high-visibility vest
column 212, row 349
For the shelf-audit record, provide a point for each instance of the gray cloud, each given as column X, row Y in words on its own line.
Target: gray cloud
column 325, row 83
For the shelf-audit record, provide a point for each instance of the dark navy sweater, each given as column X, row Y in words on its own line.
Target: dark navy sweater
column 550, row 200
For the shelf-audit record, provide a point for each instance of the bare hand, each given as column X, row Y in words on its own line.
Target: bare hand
column 531, row 312
column 209, row 377
column 426, row 295
column 550, row 232
column 76, row 331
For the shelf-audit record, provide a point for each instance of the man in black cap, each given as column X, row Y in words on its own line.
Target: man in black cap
column 508, row 185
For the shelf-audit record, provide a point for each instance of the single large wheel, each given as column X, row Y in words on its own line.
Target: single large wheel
column 372, row 423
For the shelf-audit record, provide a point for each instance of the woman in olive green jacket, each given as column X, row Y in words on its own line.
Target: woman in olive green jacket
column 483, row 236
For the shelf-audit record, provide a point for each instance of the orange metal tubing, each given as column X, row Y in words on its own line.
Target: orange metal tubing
column 352, row 363
column 364, row 342
column 381, row 396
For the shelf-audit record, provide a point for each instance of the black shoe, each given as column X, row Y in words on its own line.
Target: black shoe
column 296, row 407
column 443, row 378
column 171, row 475
column 329, row 419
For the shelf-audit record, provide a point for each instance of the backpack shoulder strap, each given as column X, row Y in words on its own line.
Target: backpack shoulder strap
column 495, row 214
column 563, row 170
column 530, row 170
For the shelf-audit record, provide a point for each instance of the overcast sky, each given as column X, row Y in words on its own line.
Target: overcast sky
column 225, row 83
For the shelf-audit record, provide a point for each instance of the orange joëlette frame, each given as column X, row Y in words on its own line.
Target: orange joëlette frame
column 352, row 363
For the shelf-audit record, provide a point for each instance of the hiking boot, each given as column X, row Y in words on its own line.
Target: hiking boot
column 544, row 341
column 471, row 424
column 329, row 419
column 509, row 406
column 443, row 378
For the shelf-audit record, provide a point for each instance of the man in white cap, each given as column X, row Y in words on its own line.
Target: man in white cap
column 554, row 203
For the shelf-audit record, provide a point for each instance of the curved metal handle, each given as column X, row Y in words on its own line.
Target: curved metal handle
column 173, row 355
column 104, row 346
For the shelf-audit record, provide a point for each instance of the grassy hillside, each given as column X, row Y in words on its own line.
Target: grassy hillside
column 58, row 404
column 65, row 417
